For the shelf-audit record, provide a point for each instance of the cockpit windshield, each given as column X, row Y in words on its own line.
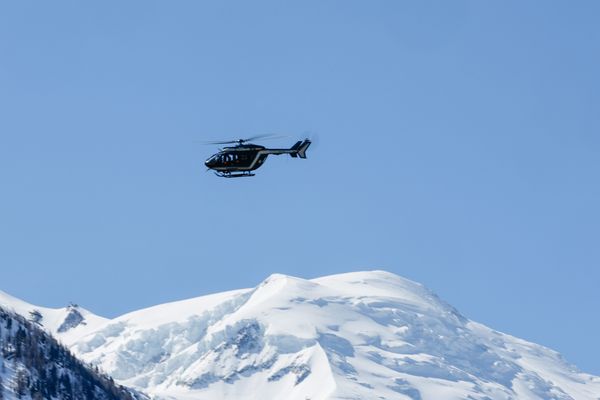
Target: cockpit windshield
column 222, row 158
column 213, row 160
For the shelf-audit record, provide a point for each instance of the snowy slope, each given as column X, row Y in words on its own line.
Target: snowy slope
column 364, row 335
column 34, row 366
column 66, row 324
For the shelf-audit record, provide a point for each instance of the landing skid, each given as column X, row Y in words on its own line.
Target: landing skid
column 230, row 175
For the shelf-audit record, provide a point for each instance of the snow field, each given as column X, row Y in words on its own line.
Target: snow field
column 362, row 335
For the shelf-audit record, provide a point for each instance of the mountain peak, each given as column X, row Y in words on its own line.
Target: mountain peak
column 340, row 336
column 67, row 323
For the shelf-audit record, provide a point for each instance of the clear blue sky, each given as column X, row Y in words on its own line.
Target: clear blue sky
column 459, row 146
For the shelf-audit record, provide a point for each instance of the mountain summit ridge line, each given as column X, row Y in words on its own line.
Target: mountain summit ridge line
column 358, row 335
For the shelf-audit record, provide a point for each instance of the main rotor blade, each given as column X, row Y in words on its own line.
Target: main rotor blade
column 218, row 142
column 264, row 137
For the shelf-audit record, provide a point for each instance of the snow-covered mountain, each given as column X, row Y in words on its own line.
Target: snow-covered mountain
column 69, row 322
column 34, row 366
column 363, row 335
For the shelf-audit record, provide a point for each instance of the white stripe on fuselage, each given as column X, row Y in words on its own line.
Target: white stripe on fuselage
column 258, row 154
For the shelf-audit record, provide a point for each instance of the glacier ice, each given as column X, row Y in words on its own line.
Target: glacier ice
column 362, row 335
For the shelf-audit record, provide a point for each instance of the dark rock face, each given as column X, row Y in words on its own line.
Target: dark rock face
column 36, row 317
column 73, row 319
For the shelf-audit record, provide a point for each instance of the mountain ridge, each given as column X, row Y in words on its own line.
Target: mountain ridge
column 35, row 366
column 68, row 322
column 358, row 335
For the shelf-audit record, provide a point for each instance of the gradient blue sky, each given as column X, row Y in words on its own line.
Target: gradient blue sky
column 458, row 146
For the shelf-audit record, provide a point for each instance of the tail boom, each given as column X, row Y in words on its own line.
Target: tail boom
column 297, row 150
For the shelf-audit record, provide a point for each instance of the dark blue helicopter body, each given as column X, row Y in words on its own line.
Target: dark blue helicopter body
column 242, row 159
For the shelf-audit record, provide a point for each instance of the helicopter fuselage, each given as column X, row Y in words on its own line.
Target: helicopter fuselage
column 242, row 159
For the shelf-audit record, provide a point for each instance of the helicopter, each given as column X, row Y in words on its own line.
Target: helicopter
column 240, row 160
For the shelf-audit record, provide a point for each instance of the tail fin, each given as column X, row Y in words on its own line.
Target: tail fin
column 295, row 148
column 299, row 149
column 303, row 147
